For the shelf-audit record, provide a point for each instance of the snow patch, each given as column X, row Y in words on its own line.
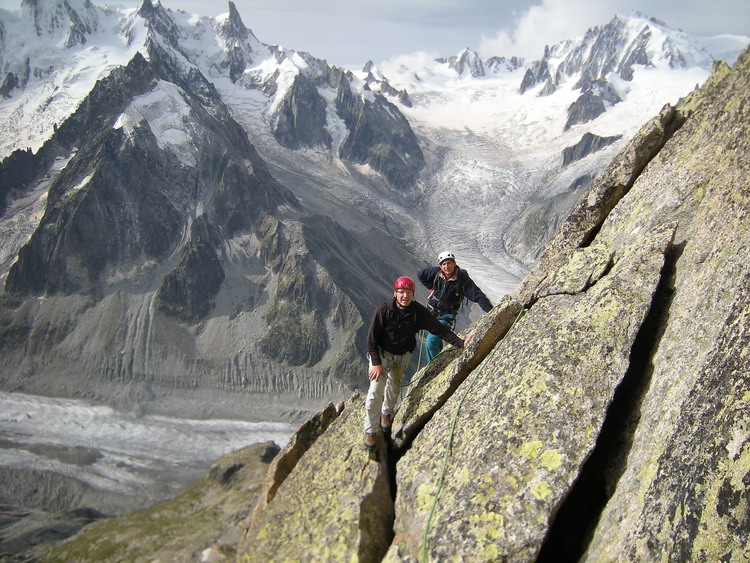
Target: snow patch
column 335, row 126
column 287, row 73
column 60, row 78
column 168, row 116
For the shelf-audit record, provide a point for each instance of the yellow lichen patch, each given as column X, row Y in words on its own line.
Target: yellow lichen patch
column 424, row 496
column 490, row 524
column 485, row 490
column 538, row 386
column 699, row 192
column 550, row 459
column 645, row 477
column 463, row 475
column 607, row 310
column 715, row 538
column 541, row 490
column 487, row 552
column 488, row 527
column 531, row 450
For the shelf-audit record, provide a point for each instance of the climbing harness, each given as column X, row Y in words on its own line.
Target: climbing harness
column 423, row 556
column 419, row 365
column 440, row 301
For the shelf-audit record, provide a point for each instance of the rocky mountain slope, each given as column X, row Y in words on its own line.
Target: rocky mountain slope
column 141, row 213
column 599, row 413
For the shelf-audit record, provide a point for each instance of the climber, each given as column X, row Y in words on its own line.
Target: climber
column 390, row 341
column 448, row 285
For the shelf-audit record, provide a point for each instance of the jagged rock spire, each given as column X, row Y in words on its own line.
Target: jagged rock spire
column 235, row 28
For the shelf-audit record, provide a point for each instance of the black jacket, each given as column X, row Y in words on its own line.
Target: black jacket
column 395, row 330
column 446, row 295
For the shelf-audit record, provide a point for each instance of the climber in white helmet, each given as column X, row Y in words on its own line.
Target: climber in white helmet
column 448, row 285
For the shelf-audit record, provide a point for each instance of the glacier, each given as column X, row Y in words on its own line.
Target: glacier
column 145, row 458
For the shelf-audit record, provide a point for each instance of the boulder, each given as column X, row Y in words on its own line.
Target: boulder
column 335, row 505
column 492, row 466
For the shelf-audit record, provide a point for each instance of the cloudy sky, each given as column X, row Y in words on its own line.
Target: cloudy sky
column 348, row 33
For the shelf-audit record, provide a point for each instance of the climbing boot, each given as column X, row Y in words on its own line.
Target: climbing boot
column 385, row 422
column 369, row 441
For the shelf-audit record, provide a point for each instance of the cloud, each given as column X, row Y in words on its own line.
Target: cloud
column 545, row 24
column 550, row 21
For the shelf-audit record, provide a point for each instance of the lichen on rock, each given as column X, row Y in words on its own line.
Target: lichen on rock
column 334, row 506
column 520, row 433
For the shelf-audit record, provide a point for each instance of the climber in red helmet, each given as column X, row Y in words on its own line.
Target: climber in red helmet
column 390, row 341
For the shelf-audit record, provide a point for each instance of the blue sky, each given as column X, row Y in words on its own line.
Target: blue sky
column 348, row 33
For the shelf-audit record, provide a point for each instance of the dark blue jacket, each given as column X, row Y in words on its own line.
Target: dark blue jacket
column 446, row 295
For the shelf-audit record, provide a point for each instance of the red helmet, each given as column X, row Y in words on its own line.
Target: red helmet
column 404, row 282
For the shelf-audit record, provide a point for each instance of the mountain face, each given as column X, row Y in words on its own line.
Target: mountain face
column 598, row 413
column 150, row 220
column 616, row 49
column 467, row 63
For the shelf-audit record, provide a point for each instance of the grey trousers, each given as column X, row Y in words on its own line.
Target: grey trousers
column 383, row 394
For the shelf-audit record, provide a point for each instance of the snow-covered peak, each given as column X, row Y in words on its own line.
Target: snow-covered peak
column 232, row 31
column 623, row 44
column 46, row 74
column 68, row 21
column 230, row 25
column 467, row 63
column 161, row 22
column 666, row 47
column 500, row 65
column 616, row 49
column 376, row 81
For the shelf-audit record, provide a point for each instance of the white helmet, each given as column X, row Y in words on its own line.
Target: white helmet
column 446, row 256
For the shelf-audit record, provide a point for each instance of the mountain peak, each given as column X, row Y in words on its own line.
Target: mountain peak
column 233, row 25
column 69, row 20
column 620, row 46
column 467, row 63
column 145, row 8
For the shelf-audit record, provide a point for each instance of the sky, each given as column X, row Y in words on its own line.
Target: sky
column 348, row 33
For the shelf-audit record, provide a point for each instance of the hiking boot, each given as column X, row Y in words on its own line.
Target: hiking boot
column 385, row 422
column 369, row 441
